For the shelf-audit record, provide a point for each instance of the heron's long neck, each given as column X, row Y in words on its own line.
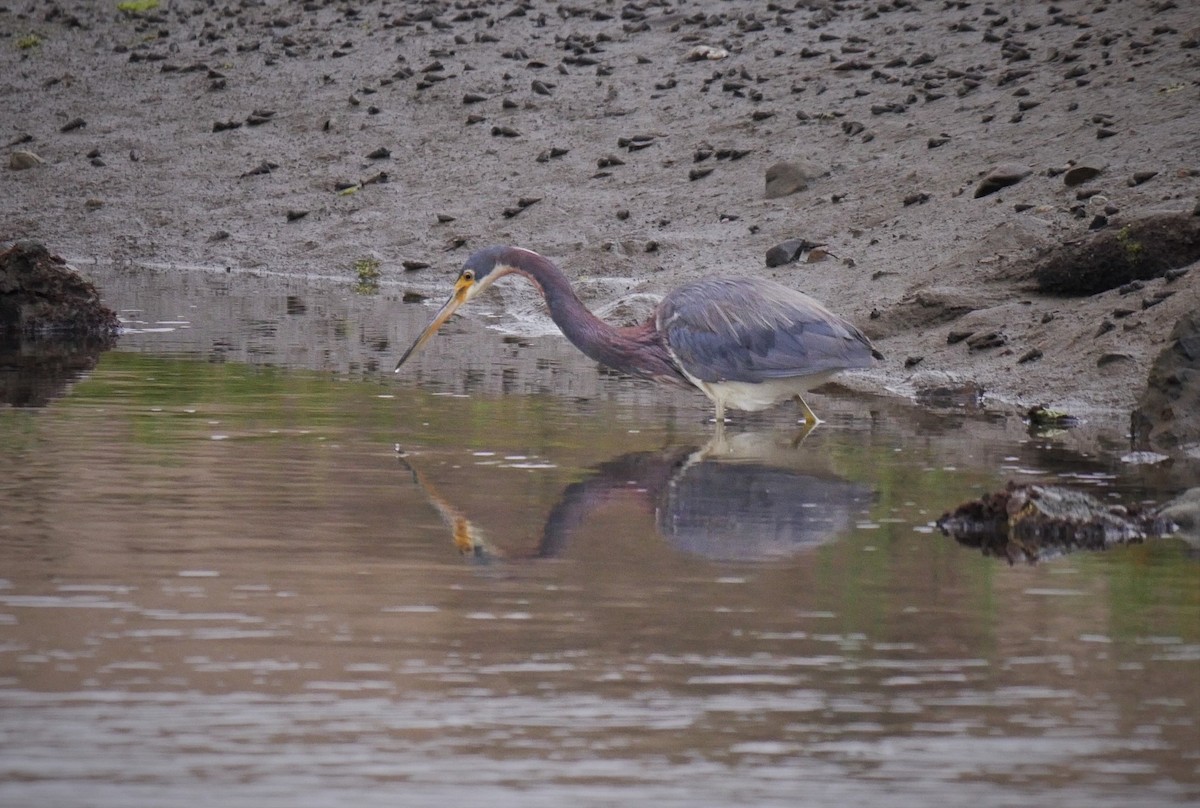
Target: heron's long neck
column 614, row 347
column 585, row 330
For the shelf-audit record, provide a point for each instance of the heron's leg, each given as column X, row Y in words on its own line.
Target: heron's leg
column 720, row 416
column 810, row 420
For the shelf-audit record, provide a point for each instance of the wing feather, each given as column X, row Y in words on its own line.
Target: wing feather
column 753, row 329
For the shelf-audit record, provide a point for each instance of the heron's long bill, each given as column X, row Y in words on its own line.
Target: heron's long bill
column 449, row 307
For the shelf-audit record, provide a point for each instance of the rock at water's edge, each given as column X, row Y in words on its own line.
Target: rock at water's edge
column 41, row 295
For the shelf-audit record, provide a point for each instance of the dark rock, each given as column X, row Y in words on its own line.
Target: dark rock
column 1140, row 250
column 381, row 153
column 1167, row 415
column 793, row 249
column 1142, row 176
column 73, row 124
column 41, row 295
column 1001, row 176
column 699, row 173
column 986, row 340
column 293, row 215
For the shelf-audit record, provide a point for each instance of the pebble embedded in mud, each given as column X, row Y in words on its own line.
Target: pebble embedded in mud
column 22, row 159
column 1001, row 176
column 786, row 178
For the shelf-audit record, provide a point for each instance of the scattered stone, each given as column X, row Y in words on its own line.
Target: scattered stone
column 917, row 198
column 293, row 215
column 955, row 337
column 504, row 131
column 259, row 116
column 637, row 142
column 473, row 98
column 795, row 249
column 1083, row 170
column 412, row 265
column 940, row 140
column 225, row 126
column 73, row 124
column 699, row 173
column 1113, row 358
column 551, row 153
column 22, row 159
column 381, row 153
column 783, row 179
column 913, row 361
column 1142, row 176
column 703, row 52
column 1167, row 415
column 1031, row 355
column 986, row 340
column 1001, row 176
column 265, row 167
column 444, row 218
column 608, row 161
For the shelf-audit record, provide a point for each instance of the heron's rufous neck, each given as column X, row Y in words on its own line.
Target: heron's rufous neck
column 638, row 350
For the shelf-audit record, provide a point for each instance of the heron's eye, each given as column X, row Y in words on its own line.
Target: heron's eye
column 468, row 275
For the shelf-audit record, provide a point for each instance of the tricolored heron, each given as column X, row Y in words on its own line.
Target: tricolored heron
column 746, row 343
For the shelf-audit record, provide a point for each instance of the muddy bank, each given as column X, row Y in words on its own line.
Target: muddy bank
column 937, row 151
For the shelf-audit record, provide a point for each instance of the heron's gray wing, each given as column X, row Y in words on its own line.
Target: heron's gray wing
column 753, row 329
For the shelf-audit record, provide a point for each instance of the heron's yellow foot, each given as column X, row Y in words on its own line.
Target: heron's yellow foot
column 810, row 420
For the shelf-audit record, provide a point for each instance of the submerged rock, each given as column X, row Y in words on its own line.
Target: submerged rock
column 1030, row 522
column 41, row 295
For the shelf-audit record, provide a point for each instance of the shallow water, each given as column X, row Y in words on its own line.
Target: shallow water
column 221, row 584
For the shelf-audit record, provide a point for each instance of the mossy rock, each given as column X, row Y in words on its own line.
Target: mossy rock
column 1138, row 251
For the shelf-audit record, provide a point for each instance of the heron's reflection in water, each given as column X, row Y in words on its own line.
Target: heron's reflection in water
column 745, row 498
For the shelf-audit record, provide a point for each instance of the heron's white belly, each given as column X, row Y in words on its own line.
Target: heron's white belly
column 755, row 396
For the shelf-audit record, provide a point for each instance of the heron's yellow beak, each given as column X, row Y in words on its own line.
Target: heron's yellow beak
column 461, row 291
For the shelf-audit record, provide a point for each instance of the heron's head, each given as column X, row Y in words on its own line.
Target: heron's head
column 481, row 270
